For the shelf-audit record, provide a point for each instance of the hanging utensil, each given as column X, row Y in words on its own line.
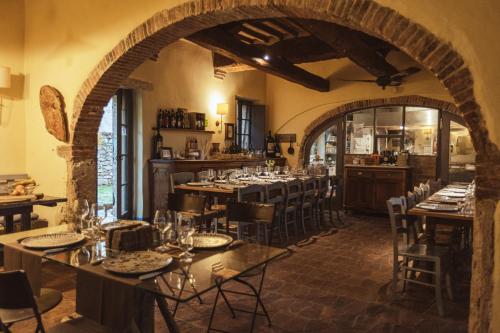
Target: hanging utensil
column 290, row 150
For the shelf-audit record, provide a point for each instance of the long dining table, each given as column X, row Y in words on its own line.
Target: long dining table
column 441, row 208
column 125, row 303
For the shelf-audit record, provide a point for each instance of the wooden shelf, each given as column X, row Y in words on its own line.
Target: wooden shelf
column 189, row 130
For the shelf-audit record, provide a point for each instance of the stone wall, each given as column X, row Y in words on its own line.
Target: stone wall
column 105, row 159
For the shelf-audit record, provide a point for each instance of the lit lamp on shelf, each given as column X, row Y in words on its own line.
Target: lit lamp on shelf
column 222, row 110
column 4, row 81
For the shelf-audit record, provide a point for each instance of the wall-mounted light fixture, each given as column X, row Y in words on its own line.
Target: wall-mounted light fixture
column 4, row 81
column 222, row 110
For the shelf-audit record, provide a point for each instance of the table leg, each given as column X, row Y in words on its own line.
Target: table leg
column 169, row 320
column 9, row 224
column 26, row 218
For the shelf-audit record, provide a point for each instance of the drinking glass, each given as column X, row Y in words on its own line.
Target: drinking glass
column 286, row 170
column 95, row 222
column 211, row 175
column 220, row 174
column 160, row 223
column 245, row 171
column 185, row 239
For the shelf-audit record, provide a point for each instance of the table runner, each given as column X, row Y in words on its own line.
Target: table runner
column 18, row 257
column 113, row 301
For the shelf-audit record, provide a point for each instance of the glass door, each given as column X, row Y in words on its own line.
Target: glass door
column 457, row 160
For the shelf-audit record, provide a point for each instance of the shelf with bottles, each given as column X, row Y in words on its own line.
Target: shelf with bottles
column 189, row 130
column 181, row 119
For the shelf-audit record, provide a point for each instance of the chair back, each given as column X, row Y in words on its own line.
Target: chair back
column 190, row 203
column 396, row 207
column 434, row 185
column 322, row 186
column 293, row 192
column 252, row 213
column 308, row 189
column 179, row 178
column 251, row 193
column 275, row 193
column 15, row 291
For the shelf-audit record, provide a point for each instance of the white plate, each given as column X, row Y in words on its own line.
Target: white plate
column 137, row 262
column 438, row 207
column 211, row 240
column 199, row 184
column 50, row 241
column 220, row 181
column 451, row 194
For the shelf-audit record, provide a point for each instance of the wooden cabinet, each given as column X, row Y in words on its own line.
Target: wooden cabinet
column 368, row 187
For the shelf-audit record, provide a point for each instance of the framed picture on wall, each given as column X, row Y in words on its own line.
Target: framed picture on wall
column 166, row 153
column 229, row 131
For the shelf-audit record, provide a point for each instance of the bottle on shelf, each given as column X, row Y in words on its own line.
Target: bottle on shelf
column 270, row 146
column 277, row 149
column 157, row 142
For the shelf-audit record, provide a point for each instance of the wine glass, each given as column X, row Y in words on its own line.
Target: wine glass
column 286, row 170
column 220, row 174
column 81, row 210
column 211, row 175
column 185, row 239
column 245, row 171
column 160, row 223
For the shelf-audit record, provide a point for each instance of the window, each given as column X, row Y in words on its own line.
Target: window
column 393, row 128
column 244, row 121
column 359, row 132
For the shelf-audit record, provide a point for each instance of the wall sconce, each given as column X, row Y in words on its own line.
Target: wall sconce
column 4, row 81
column 222, row 110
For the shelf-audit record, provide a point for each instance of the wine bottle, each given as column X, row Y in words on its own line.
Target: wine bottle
column 277, row 149
column 157, row 143
column 270, row 146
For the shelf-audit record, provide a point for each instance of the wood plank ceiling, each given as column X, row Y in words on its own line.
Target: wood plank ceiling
column 276, row 45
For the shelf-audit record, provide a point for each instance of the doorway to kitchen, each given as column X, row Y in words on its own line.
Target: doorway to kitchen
column 115, row 157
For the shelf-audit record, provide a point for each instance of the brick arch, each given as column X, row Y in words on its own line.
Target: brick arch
column 320, row 124
column 434, row 54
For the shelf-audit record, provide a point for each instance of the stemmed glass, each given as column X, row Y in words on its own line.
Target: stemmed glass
column 185, row 239
column 161, row 224
column 81, row 210
column 220, row 174
column 211, row 175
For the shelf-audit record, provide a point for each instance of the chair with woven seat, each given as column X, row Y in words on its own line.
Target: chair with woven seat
column 293, row 194
column 250, row 193
column 321, row 198
column 420, row 256
column 17, row 303
column 275, row 194
column 308, row 202
column 262, row 216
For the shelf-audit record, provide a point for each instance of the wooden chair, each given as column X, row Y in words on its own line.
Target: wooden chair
column 17, row 303
column 293, row 194
column 260, row 215
column 251, row 193
column 307, row 202
column 333, row 199
column 275, row 194
column 179, row 178
column 414, row 255
column 193, row 205
column 321, row 198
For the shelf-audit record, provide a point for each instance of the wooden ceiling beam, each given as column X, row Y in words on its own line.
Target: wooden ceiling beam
column 303, row 49
column 219, row 41
column 352, row 44
column 255, row 34
column 266, row 28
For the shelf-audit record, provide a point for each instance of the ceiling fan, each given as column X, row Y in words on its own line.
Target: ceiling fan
column 393, row 80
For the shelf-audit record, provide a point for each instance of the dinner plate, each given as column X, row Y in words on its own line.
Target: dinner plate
column 137, row 262
column 220, row 181
column 451, row 194
column 454, row 189
column 211, row 240
column 199, row 184
column 438, row 207
column 49, row 241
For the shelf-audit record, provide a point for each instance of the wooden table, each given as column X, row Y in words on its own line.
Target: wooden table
column 24, row 208
column 433, row 218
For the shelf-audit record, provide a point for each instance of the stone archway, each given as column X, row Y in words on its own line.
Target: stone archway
column 321, row 123
column 434, row 54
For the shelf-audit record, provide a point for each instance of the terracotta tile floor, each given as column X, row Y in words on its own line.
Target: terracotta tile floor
column 337, row 283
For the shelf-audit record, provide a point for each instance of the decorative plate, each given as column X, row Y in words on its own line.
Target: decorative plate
column 49, row 241
column 199, row 183
column 438, row 207
column 211, row 241
column 137, row 262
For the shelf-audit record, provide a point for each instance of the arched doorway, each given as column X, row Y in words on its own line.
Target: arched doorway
column 432, row 53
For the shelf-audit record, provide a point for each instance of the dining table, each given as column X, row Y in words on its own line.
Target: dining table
column 125, row 302
column 23, row 207
column 443, row 208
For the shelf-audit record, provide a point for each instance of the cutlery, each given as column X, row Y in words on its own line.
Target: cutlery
column 56, row 250
column 97, row 262
column 149, row 275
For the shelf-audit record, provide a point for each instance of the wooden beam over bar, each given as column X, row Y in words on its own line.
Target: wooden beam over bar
column 222, row 42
